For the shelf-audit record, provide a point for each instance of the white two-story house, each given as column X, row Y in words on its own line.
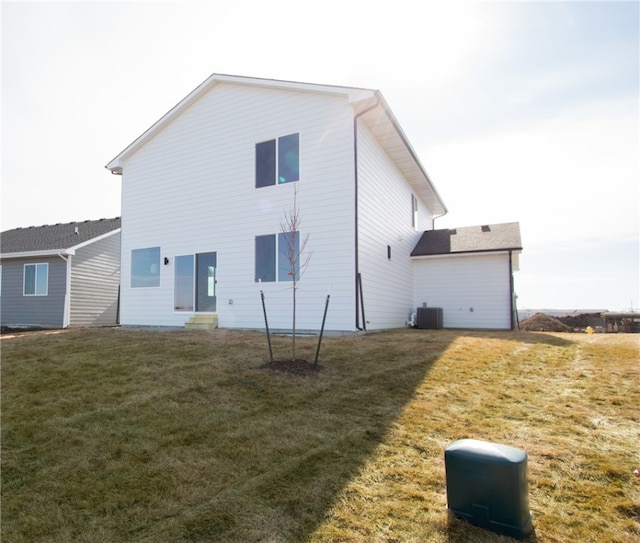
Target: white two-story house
column 205, row 191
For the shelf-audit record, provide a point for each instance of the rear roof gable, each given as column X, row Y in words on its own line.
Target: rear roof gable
column 376, row 114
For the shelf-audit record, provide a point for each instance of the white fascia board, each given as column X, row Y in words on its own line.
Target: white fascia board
column 353, row 94
column 34, row 254
column 493, row 252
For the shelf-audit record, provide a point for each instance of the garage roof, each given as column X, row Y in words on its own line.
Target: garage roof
column 470, row 239
column 56, row 237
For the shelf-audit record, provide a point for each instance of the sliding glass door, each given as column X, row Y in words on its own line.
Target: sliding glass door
column 195, row 282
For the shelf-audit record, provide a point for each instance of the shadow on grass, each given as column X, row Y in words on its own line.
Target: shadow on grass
column 460, row 531
column 557, row 340
column 314, row 434
column 183, row 437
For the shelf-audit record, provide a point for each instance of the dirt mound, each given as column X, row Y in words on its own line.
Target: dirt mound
column 299, row 366
column 544, row 323
column 582, row 320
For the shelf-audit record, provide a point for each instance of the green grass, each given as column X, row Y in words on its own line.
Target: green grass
column 114, row 435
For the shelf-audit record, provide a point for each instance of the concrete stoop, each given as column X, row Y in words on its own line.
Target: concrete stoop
column 202, row 322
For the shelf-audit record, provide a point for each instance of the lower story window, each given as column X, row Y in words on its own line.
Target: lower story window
column 277, row 257
column 36, row 279
column 145, row 267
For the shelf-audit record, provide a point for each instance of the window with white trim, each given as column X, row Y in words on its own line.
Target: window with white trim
column 36, row 279
column 145, row 267
column 278, row 161
column 277, row 257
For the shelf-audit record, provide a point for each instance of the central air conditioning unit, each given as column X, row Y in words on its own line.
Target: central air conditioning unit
column 429, row 318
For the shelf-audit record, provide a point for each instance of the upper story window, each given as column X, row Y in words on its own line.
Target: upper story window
column 145, row 267
column 278, row 161
column 36, row 279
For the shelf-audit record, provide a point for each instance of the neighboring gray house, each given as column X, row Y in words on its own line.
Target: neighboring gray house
column 469, row 273
column 55, row 276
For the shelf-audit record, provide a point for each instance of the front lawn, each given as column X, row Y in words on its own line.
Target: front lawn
column 114, row 435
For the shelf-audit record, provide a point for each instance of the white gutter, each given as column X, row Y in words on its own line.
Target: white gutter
column 461, row 254
column 433, row 219
column 30, row 254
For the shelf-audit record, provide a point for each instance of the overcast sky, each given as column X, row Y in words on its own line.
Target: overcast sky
column 519, row 111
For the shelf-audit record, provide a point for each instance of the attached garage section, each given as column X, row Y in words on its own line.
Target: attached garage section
column 473, row 290
column 468, row 272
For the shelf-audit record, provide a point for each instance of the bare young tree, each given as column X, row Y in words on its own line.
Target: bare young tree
column 295, row 253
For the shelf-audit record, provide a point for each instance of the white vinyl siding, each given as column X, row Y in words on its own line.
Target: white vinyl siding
column 191, row 189
column 385, row 226
column 473, row 289
column 95, row 280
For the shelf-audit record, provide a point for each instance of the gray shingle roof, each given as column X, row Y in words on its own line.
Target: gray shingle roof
column 469, row 239
column 54, row 237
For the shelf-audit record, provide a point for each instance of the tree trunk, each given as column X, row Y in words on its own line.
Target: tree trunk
column 294, row 321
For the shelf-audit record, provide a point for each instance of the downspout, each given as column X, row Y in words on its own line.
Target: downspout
column 358, row 279
column 66, row 315
column 511, row 292
column 433, row 220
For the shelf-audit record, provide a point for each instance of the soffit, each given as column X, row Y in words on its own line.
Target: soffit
column 385, row 128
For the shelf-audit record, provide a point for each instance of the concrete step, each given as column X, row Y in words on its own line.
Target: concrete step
column 202, row 322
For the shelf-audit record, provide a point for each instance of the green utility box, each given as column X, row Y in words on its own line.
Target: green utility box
column 487, row 486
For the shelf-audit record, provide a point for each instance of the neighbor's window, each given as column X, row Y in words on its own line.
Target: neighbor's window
column 145, row 267
column 279, row 254
column 36, row 279
column 278, row 161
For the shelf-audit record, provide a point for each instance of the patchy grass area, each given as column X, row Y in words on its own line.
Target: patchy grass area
column 116, row 435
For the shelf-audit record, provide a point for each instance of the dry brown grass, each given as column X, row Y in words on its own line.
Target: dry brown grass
column 115, row 435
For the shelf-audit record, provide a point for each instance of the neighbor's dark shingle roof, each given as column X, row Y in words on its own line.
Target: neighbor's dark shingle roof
column 54, row 237
column 469, row 239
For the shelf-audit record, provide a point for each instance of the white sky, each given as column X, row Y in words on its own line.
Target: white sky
column 519, row 111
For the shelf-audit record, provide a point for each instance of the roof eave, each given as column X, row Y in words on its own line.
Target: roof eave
column 505, row 250
column 34, row 254
column 418, row 176
column 443, row 208
column 65, row 251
